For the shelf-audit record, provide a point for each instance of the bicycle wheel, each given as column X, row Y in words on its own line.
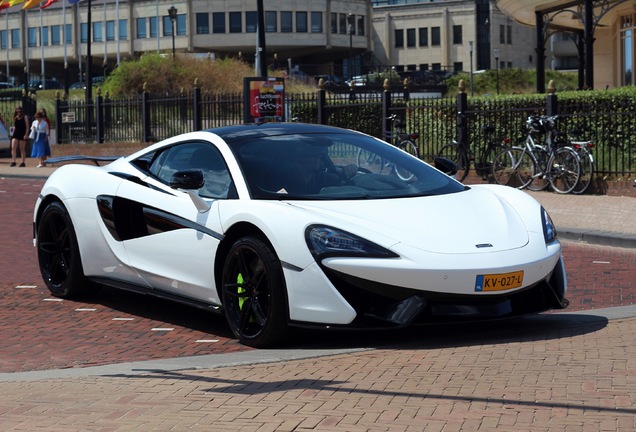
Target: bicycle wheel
column 564, row 170
column 483, row 167
column 513, row 167
column 409, row 147
column 540, row 180
column 587, row 171
column 452, row 152
column 368, row 160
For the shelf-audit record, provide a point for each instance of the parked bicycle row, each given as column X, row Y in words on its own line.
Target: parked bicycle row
column 547, row 158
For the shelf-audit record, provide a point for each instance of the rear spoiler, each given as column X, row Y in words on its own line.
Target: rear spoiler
column 97, row 160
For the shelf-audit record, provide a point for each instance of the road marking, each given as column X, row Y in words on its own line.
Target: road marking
column 123, row 319
column 52, row 299
column 26, row 286
column 601, row 262
column 85, row 310
column 206, row 340
column 166, row 329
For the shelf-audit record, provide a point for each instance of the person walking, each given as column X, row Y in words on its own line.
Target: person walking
column 19, row 136
column 41, row 148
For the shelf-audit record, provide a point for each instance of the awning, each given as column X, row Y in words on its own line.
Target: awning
column 523, row 11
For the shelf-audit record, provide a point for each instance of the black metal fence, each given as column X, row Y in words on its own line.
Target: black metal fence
column 609, row 120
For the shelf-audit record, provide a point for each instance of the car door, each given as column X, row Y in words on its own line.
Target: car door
column 174, row 244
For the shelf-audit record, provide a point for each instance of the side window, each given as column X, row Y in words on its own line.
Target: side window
column 196, row 156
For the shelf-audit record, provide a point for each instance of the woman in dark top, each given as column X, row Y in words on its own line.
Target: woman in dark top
column 20, row 135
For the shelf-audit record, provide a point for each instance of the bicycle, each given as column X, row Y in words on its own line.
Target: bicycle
column 544, row 164
column 399, row 138
column 462, row 155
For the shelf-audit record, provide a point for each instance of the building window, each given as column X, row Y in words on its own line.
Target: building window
column 141, row 28
column 110, row 30
column 83, row 32
column 457, row 34
column 361, row 26
column 286, row 24
column 154, row 26
column 68, row 34
column 410, row 37
column 502, row 34
column 167, row 26
column 436, row 66
column 423, row 36
column 627, row 50
column 458, row 66
column 271, row 22
column 423, row 66
column 334, row 23
column 180, row 23
column 344, row 27
column 316, row 22
column 399, row 38
column 15, row 38
column 203, row 23
column 218, row 22
column 123, row 29
column 56, row 36
column 301, row 22
column 32, row 34
column 509, row 34
column 44, row 36
column 236, row 25
column 97, row 32
column 3, row 39
column 251, row 22
column 435, row 36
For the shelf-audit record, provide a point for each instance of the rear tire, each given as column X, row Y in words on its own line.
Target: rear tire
column 587, row 172
column 58, row 254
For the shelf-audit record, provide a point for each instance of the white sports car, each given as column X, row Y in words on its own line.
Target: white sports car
column 282, row 225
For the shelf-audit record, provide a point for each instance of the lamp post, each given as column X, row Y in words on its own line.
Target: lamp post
column 172, row 12
column 470, row 51
column 496, row 52
column 350, row 19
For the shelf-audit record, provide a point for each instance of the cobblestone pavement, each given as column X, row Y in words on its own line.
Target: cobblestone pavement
column 571, row 371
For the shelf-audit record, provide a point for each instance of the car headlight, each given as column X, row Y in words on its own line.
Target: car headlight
column 549, row 230
column 324, row 241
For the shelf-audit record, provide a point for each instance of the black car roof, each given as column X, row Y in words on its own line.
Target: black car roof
column 254, row 131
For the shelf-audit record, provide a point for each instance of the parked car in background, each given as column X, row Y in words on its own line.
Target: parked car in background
column 331, row 80
column 47, row 84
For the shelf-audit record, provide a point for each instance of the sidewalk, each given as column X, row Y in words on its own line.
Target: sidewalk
column 596, row 219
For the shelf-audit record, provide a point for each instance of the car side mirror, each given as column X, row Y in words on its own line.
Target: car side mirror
column 187, row 180
column 446, row 166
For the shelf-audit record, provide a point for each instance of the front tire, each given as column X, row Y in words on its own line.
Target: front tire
column 58, row 253
column 254, row 293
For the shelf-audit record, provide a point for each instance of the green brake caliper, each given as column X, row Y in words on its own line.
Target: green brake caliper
column 241, row 290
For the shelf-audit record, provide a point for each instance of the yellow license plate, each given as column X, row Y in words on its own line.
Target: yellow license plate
column 499, row 282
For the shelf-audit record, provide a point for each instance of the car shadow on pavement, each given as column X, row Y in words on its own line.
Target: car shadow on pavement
column 525, row 329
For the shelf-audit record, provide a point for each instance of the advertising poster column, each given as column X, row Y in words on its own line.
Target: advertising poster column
column 264, row 100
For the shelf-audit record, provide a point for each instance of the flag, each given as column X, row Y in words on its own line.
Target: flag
column 73, row 1
column 30, row 4
column 15, row 2
column 47, row 4
column 4, row 5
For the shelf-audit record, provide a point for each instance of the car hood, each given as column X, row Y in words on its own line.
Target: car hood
column 472, row 221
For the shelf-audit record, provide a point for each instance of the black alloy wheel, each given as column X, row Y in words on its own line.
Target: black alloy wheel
column 254, row 293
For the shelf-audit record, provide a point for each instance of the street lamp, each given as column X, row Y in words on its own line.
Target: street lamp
column 172, row 12
column 496, row 52
column 350, row 19
column 470, row 51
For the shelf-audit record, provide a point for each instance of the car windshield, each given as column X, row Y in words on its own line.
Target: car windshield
column 322, row 166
